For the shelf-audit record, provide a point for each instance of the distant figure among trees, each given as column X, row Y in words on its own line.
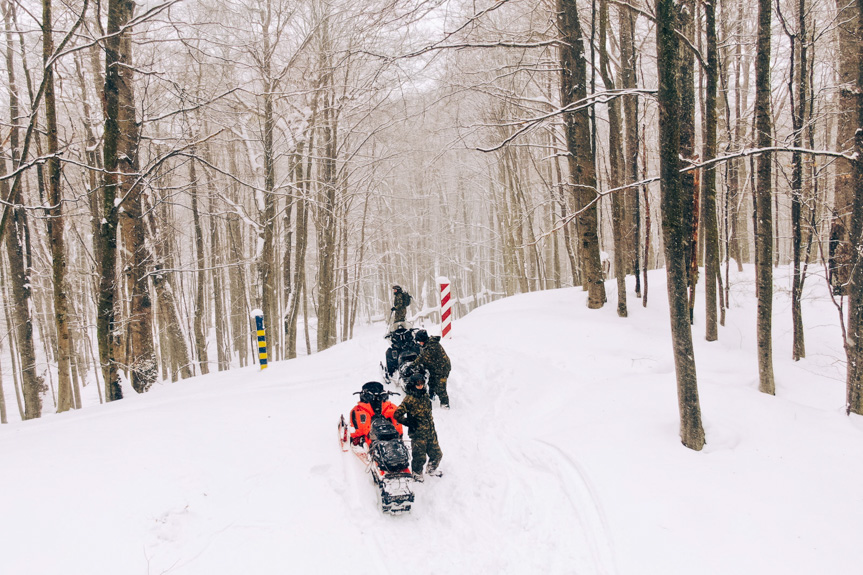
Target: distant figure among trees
column 401, row 301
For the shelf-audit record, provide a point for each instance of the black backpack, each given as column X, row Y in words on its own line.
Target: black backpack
column 388, row 450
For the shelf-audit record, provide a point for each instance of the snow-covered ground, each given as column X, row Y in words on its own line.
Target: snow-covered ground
column 561, row 455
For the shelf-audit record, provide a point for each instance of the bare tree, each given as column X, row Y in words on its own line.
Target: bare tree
column 578, row 141
column 854, row 336
column 55, row 218
column 617, row 169
column 16, row 238
column 763, row 203
column 674, row 227
column 708, row 194
column 120, row 162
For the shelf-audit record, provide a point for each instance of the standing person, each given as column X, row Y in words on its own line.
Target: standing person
column 401, row 301
column 433, row 358
column 416, row 412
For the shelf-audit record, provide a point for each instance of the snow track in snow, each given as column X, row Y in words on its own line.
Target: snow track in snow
column 561, row 457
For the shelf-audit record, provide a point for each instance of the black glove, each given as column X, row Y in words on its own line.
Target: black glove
column 392, row 309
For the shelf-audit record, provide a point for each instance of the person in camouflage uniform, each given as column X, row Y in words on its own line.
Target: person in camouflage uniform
column 401, row 301
column 416, row 412
column 433, row 358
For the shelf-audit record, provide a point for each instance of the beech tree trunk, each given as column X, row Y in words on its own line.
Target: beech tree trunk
column 16, row 233
column 798, row 91
column 846, row 126
column 686, row 117
column 854, row 339
column 327, row 222
column 582, row 168
column 615, row 146
column 708, row 203
column 674, row 227
column 201, row 325
column 632, row 204
column 763, row 204
column 65, row 400
column 120, row 157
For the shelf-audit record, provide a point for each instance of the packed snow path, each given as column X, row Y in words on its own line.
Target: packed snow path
column 561, row 456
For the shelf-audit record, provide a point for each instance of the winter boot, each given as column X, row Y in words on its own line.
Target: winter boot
column 418, row 477
column 433, row 471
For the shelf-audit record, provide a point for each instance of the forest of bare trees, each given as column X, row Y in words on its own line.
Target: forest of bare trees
column 168, row 166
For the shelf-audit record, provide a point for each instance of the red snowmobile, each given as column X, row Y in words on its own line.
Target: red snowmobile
column 377, row 442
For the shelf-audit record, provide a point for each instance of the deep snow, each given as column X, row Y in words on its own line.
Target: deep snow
column 561, row 455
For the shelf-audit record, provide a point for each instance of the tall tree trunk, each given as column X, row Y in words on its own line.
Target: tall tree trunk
column 141, row 362
column 708, row 204
column 854, row 338
column 578, row 141
column 739, row 226
column 358, row 274
column 120, row 151
column 287, row 274
column 560, row 196
column 13, row 352
column 266, row 264
column 798, row 91
column 763, row 207
column 728, row 63
column 55, row 219
column 217, row 259
column 240, row 314
column 175, row 351
column 16, row 233
column 302, row 172
column 327, row 221
column 674, row 227
column 846, row 126
column 688, row 189
column 615, row 145
column 93, row 160
column 201, row 325
column 628, row 78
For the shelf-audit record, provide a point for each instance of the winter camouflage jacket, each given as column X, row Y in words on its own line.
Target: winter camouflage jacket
column 401, row 300
column 434, row 358
column 416, row 412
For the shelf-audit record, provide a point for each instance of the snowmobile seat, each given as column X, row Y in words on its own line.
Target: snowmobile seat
column 383, row 430
column 406, row 356
column 390, row 455
column 387, row 448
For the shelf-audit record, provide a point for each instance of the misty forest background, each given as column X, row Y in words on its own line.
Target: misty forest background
column 167, row 167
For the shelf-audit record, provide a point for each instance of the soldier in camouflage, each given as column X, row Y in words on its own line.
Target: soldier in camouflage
column 433, row 358
column 416, row 412
column 401, row 301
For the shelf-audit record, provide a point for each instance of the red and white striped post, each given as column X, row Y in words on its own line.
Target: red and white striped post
column 445, row 307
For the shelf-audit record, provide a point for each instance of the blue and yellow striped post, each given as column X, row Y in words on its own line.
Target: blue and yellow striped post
column 262, row 338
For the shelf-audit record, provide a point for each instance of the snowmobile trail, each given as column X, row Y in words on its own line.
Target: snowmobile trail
column 495, row 433
column 586, row 504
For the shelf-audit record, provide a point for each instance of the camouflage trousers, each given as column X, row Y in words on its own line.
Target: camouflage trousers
column 422, row 447
column 437, row 387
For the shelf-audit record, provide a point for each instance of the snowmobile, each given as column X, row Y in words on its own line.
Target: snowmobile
column 383, row 452
column 400, row 356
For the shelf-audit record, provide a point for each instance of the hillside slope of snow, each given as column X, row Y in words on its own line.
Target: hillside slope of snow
column 561, row 455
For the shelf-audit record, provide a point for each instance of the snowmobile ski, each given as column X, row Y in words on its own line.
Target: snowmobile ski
column 343, row 434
